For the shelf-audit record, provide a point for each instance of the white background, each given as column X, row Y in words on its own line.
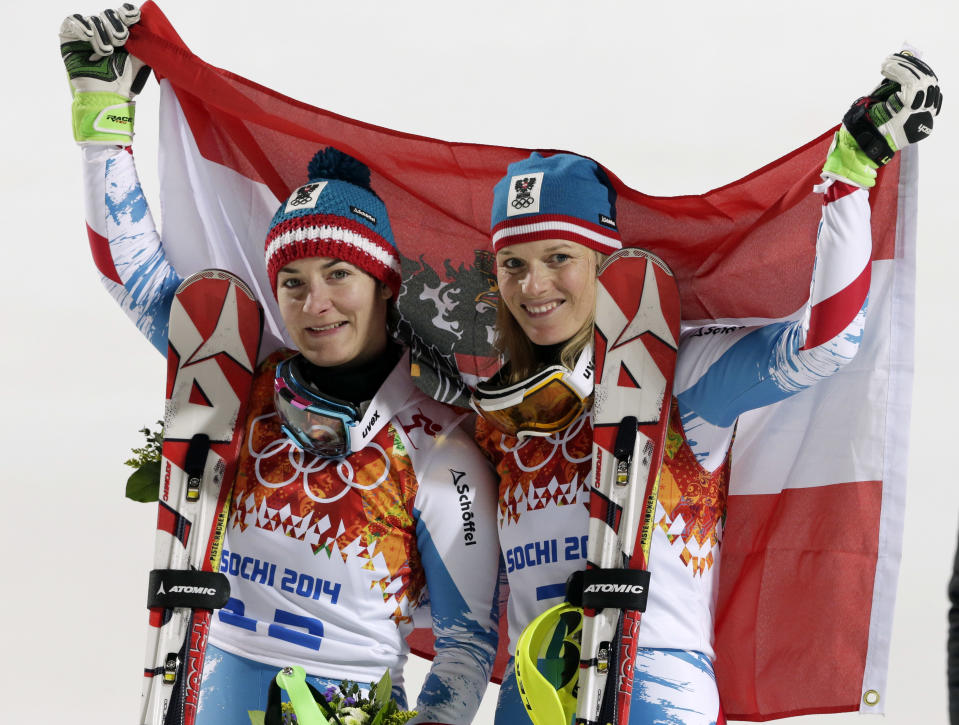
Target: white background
column 674, row 98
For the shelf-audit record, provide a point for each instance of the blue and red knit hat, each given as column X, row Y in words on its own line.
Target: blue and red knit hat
column 563, row 196
column 337, row 215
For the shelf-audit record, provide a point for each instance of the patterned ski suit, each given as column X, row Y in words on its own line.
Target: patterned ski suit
column 722, row 372
column 328, row 560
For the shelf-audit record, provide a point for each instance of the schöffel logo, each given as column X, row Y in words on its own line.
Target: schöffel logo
column 524, row 194
column 615, row 589
column 365, row 214
column 466, row 507
column 715, row 330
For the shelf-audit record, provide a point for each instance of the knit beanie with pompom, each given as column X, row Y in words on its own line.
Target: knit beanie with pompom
column 336, row 214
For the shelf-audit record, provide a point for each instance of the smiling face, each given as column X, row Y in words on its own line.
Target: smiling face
column 548, row 286
column 335, row 313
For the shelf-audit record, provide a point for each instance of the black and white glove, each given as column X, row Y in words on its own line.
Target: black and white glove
column 104, row 77
column 899, row 111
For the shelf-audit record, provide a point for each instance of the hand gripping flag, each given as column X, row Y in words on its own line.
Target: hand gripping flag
column 814, row 520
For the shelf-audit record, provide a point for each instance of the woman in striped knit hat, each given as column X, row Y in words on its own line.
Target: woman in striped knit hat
column 340, row 520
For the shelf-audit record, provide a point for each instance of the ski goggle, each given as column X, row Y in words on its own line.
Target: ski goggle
column 545, row 403
column 547, row 665
column 314, row 422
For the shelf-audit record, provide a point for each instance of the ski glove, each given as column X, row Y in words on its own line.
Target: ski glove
column 898, row 112
column 104, row 78
column 908, row 100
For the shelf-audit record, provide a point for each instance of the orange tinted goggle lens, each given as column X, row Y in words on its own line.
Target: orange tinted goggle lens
column 548, row 408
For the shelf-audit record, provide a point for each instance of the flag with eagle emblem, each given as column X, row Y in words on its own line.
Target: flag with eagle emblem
column 811, row 547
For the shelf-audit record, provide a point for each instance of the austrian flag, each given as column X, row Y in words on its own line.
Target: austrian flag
column 812, row 536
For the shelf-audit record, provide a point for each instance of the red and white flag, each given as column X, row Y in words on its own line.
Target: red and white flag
column 813, row 532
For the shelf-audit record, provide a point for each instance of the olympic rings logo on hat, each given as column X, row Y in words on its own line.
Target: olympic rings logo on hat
column 524, row 192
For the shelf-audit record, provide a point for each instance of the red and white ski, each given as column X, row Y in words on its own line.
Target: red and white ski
column 636, row 341
column 214, row 339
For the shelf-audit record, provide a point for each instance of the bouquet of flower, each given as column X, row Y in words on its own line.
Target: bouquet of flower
column 343, row 705
column 144, row 483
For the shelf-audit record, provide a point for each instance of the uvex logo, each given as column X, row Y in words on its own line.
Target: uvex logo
column 369, row 426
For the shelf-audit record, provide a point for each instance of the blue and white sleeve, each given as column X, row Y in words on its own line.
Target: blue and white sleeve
column 456, row 535
column 724, row 371
column 124, row 242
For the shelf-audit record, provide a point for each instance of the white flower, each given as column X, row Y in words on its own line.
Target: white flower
column 353, row 716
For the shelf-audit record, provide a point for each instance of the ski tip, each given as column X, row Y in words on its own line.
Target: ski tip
column 219, row 274
column 634, row 253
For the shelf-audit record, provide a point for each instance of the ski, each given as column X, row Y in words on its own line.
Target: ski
column 214, row 338
column 636, row 340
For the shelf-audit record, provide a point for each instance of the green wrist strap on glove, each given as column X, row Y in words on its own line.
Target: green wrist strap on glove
column 104, row 77
column 105, row 118
column 848, row 162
